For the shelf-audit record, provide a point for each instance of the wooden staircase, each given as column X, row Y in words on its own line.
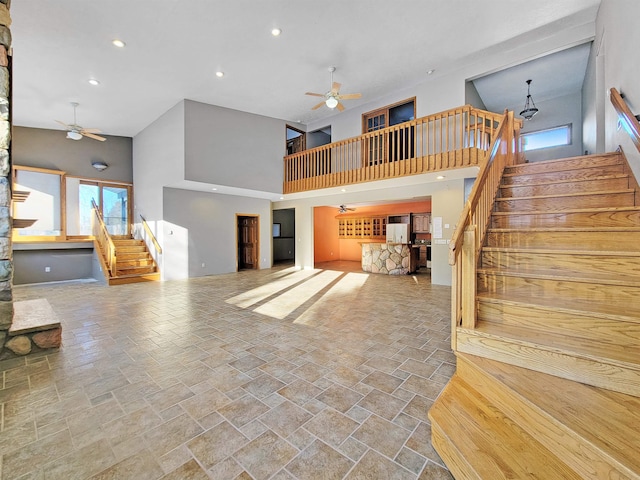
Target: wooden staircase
column 134, row 263
column 548, row 380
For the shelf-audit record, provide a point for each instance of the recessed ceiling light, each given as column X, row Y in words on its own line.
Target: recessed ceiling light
column 440, row 177
column 281, row 198
column 343, row 190
column 93, row 81
column 219, row 74
column 118, row 43
column 276, row 32
column 430, row 72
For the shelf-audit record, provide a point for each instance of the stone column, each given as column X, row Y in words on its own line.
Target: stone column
column 6, row 258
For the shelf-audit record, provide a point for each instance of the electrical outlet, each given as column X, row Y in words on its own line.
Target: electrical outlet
column 47, row 269
column 202, row 264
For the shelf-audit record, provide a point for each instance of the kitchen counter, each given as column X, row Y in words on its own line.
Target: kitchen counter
column 390, row 258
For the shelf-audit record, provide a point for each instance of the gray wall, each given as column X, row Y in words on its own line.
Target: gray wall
column 233, row 148
column 568, row 110
column 37, row 147
column 64, row 264
column 201, row 228
column 617, row 31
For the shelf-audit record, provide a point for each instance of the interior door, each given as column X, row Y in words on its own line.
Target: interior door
column 247, row 242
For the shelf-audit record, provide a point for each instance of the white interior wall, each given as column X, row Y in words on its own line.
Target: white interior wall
column 158, row 160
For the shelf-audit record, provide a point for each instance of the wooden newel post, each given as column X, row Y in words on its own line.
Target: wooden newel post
column 469, row 280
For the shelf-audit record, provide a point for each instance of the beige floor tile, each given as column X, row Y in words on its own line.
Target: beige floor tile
column 188, row 378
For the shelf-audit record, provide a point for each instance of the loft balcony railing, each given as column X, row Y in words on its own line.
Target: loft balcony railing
column 447, row 140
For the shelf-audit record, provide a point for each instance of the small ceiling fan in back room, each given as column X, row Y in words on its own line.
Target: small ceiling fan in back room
column 333, row 96
column 344, row 209
column 76, row 132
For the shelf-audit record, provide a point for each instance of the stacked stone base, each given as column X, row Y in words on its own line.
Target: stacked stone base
column 390, row 259
column 35, row 328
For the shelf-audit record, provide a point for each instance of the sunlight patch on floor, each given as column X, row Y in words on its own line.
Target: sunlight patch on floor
column 287, row 302
column 345, row 288
column 256, row 295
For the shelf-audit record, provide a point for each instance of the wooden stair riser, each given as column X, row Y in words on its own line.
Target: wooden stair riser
column 129, row 242
column 137, row 270
column 131, row 249
column 590, row 326
column 581, row 201
column 626, row 241
column 573, row 443
column 126, row 279
column 591, row 264
column 135, row 262
column 625, row 217
column 566, row 164
column 482, row 443
column 569, row 289
column 599, row 372
column 591, row 185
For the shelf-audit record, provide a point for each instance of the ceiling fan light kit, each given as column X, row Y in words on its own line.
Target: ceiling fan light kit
column 76, row 132
column 333, row 96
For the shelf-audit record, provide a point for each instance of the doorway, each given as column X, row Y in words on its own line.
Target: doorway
column 248, row 242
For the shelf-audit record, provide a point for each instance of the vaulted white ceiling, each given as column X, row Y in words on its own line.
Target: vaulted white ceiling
column 174, row 47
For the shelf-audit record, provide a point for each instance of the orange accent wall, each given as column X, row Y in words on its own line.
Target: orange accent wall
column 326, row 244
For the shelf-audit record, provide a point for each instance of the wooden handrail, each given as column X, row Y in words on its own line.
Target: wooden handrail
column 151, row 235
column 455, row 138
column 471, row 229
column 103, row 239
column 627, row 119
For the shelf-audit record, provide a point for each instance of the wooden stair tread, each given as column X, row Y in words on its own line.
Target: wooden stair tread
column 571, row 163
column 606, row 421
column 566, row 195
column 623, row 313
column 572, row 210
column 625, row 356
column 601, row 253
column 620, row 279
column 481, row 439
column 563, row 229
column 555, row 182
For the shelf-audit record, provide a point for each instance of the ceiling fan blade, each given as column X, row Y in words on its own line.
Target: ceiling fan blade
column 335, row 88
column 95, row 137
column 315, row 94
column 349, row 96
column 89, row 130
column 68, row 127
column 317, row 106
column 340, row 107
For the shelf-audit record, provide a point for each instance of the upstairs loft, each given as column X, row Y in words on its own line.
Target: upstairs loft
column 456, row 138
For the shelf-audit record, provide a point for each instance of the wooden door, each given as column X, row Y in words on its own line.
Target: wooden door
column 375, row 150
column 247, row 242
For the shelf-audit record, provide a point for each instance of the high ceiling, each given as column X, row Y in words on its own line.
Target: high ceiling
column 174, row 47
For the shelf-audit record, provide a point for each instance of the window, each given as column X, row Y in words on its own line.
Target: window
column 58, row 207
column 392, row 146
column 550, row 137
column 43, row 203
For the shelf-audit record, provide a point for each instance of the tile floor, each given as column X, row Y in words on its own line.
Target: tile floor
column 272, row 374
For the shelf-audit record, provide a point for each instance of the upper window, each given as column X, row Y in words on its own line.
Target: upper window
column 550, row 137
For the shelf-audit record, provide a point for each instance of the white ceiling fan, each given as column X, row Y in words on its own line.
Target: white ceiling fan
column 344, row 209
column 76, row 132
column 333, row 96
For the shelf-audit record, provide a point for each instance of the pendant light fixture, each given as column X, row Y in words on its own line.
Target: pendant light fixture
column 529, row 107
